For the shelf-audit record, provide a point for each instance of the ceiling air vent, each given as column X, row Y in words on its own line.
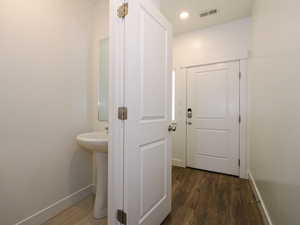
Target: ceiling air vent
column 208, row 12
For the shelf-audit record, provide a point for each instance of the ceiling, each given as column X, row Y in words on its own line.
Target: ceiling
column 228, row 10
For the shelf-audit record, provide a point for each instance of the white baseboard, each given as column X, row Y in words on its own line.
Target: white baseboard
column 45, row 214
column 178, row 162
column 263, row 208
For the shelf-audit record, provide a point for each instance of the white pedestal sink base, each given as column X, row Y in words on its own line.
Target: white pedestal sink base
column 97, row 142
column 100, row 208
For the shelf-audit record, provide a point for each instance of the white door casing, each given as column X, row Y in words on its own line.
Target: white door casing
column 213, row 130
column 147, row 145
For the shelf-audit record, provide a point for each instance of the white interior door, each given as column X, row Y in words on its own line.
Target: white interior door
column 147, row 163
column 213, row 129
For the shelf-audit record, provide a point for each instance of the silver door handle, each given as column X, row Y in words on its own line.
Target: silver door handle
column 172, row 127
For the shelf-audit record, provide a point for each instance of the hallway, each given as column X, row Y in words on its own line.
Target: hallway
column 203, row 198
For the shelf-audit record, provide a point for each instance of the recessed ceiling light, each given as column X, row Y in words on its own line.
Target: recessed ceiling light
column 184, row 15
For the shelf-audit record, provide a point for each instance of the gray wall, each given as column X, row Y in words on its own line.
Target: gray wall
column 44, row 67
column 275, row 106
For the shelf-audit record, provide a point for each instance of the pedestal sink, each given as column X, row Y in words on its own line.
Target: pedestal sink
column 97, row 142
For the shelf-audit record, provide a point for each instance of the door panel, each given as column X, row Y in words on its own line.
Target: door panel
column 153, row 175
column 213, row 130
column 147, row 171
column 153, row 61
column 206, row 143
column 210, row 85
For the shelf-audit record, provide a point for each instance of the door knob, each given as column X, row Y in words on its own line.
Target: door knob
column 172, row 127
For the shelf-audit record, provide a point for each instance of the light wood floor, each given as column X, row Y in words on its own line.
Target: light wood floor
column 199, row 198
column 79, row 214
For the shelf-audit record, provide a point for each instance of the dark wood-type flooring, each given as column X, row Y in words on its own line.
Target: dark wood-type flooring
column 204, row 198
column 199, row 198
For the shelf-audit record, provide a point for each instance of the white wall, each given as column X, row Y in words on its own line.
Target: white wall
column 156, row 3
column 219, row 43
column 44, row 65
column 275, row 105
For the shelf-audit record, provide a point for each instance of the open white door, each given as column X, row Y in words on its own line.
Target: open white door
column 147, row 150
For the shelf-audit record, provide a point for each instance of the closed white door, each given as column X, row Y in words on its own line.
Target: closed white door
column 148, row 71
column 213, row 126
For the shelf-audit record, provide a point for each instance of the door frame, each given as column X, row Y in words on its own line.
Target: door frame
column 243, row 127
column 116, row 99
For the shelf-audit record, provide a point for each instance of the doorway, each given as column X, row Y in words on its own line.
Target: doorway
column 213, row 117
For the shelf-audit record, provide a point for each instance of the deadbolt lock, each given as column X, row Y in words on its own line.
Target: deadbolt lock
column 189, row 113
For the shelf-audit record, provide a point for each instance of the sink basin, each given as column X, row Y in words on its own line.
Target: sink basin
column 94, row 141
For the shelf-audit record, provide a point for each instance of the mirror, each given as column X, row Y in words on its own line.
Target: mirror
column 103, row 80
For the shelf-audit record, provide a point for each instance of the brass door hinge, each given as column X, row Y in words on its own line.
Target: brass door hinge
column 122, row 113
column 121, row 217
column 123, row 10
